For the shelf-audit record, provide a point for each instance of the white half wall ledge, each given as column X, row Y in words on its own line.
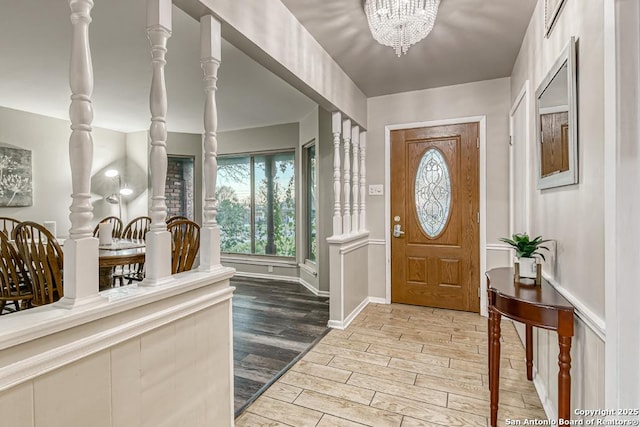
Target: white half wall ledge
column 347, row 238
column 29, row 325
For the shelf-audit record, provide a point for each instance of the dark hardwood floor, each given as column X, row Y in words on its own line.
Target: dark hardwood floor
column 274, row 323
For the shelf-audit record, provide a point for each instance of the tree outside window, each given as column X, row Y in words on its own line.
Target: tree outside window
column 256, row 204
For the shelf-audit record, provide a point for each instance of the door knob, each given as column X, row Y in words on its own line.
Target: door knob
column 397, row 232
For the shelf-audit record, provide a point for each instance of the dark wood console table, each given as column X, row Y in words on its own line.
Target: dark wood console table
column 540, row 306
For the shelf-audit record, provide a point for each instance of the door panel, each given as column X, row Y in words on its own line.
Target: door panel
column 436, row 264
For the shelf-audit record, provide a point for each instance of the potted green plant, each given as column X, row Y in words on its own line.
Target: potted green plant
column 525, row 251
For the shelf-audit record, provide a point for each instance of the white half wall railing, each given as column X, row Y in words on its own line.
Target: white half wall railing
column 349, row 244
column 158, row 239
column 355, row 215
column 346, row 216
column 210, row 58
column 363, row 181
column 150, row 352
column 336, row 125
column 80, row 269
column 349, row 176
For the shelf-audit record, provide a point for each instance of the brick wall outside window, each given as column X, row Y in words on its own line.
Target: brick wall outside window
column 179, row 191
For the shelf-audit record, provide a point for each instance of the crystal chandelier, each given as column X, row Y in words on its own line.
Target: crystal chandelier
column 400, row 23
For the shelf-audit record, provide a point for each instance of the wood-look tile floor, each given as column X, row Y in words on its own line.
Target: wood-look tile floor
column 273, row 323
column 400, row 365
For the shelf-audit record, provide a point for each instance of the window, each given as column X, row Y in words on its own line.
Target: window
column 256, row 204
column 311, row 186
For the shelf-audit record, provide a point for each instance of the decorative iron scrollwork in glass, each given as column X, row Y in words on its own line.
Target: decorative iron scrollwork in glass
column 433, row 192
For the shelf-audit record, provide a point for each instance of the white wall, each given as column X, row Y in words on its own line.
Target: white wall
column 572, row 215
column 260, row 29
column 48, row 140
column 149, row 357
column 486, row 98
column 137, row 173
column 268, row 138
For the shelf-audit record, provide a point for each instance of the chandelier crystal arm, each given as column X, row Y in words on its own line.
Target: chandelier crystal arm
column 400, row 23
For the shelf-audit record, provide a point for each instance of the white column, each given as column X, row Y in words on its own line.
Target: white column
column 336, row 123
column 355, row 141
column 80, row 269
column 363, row 180
column 346, row 216
column 210, row 57
column 158, row 239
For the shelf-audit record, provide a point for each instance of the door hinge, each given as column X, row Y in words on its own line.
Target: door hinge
column 477, row 142
column 510, row 140
column 478, row 217
column 478, row 292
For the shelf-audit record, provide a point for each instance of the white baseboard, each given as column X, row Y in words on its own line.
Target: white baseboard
column 547, row 404
column 312, row 288
column 289, row 279
column 336, row 324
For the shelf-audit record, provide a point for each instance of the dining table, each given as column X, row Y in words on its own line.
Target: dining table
column 121, row 252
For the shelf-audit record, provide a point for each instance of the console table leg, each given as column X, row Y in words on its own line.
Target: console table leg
column 489, row 341
column 494, row 378
column 564, row 378
column 529, row 350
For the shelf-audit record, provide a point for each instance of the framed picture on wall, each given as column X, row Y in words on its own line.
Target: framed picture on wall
column 552, row 10
column 15, row 177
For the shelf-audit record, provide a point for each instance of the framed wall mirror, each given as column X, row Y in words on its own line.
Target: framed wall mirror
column 556, row 123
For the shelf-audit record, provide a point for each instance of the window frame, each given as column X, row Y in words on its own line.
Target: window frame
column 252, row 217
column 307, row 202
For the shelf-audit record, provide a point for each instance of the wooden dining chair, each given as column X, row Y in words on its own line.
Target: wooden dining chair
column 185, row 243
column 43, row 259
column 15, row 286
column 7, row 225
column 137, row 228
column 117, row 226
column 176, row 218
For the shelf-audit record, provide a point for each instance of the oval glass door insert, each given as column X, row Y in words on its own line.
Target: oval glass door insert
column 433, row 192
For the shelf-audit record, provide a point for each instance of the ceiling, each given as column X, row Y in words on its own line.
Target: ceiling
column 472, row 40
column 34, row 50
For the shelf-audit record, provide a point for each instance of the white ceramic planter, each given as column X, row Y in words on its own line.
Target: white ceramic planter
column 527, row 267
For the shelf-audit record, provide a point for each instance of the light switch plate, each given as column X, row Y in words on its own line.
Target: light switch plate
column 376, row 190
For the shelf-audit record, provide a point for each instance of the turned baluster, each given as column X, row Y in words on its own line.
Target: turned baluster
column 210, row 58
column 336, row 122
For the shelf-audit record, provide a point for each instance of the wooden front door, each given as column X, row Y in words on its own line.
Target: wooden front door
column 435, row 202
